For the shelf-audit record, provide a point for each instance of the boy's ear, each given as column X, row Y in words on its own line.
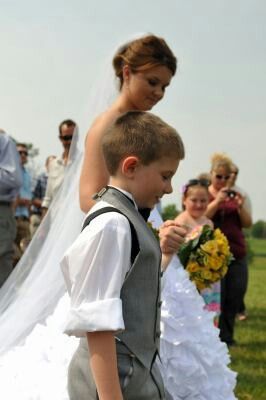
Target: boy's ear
column 129, row 165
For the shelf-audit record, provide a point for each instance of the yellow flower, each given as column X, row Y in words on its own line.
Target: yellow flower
column 206, row 274
column 223, row 247
column 210, row 247
column 222, row 241
column 219, row 235
column 200, row 285
column 193, row 266
column 224, row 270
column 214, row 262
column 208, row 262
column 216, row 276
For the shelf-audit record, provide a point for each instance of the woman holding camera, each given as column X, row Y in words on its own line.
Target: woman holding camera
column 227, row 211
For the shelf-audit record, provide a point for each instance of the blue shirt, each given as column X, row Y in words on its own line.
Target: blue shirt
column 24, row 193
column 10, row 169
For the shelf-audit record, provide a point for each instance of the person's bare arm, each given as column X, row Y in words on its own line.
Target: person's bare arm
column 171, row 236
column 214, row 204
column 94, row 175
column 103, row 363
column 245, row 217
column 21, row 201
column 36, row 202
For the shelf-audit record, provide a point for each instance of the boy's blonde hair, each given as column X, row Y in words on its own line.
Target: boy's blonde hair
column 143, row 135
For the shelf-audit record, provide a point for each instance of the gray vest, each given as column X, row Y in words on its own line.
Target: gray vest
column 140, row 292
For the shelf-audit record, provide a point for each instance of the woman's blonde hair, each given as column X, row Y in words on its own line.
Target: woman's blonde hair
column 221, row 160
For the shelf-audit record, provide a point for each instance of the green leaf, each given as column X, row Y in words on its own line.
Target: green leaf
column 184, row 253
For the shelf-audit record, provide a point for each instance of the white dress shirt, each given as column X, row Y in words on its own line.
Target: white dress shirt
column 94, row 268
column 55, row 179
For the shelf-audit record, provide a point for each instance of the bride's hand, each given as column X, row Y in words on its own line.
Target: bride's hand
column 171, row 235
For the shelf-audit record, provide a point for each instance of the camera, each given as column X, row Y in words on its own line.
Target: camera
column 231, row 194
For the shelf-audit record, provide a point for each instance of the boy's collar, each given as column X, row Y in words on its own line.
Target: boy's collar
column 127, row 194
column 144, row 212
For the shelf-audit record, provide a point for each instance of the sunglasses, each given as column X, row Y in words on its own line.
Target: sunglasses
column 222, row 177
column 66, row 137
column 23, row 152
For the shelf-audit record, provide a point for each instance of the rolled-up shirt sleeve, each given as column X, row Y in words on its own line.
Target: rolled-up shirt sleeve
column 94, row 268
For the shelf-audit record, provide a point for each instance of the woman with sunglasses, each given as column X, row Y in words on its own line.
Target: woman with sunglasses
column 227, row 211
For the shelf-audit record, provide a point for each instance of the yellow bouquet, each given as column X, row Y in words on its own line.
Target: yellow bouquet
column 205, row 255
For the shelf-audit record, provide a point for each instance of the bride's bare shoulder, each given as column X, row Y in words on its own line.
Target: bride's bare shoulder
column 103, row 120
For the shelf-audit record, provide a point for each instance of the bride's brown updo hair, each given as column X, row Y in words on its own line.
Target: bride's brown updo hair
column 142, row 54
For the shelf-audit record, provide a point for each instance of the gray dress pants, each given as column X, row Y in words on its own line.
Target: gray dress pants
column 7, row 237
column 137, row 382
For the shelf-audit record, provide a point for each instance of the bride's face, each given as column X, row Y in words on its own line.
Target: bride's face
column 144, row 89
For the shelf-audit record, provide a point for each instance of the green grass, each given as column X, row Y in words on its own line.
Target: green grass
column 258, row 246
column 249, row 357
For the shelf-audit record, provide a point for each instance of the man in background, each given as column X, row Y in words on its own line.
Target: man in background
column 58, row 165
column 23, row 201
column 10, row 183
column 38, row 196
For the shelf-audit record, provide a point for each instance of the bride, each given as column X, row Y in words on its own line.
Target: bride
column 34, row 351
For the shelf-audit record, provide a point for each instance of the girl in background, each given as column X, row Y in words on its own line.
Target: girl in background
column 195, row 202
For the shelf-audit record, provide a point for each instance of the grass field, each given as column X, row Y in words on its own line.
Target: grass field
column 249, row 357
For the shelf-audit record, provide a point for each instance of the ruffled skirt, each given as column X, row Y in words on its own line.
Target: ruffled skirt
column 194, row 362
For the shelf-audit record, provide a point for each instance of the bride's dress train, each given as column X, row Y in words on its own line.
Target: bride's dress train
column 194, row 362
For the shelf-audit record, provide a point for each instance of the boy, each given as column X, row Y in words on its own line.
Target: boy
column 112, row 270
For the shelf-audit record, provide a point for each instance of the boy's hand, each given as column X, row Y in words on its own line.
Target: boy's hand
column 171, row 235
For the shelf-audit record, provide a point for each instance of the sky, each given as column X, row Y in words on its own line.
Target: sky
column 52, row 53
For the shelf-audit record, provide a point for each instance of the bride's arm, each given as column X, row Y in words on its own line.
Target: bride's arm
column 94, row 175
column 172, row 235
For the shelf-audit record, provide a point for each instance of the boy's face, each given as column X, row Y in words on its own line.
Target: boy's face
column 153, row 181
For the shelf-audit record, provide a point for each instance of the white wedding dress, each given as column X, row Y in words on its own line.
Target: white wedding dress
column 194, row 362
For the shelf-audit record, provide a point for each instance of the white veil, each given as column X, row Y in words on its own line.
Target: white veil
column 34, row 288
